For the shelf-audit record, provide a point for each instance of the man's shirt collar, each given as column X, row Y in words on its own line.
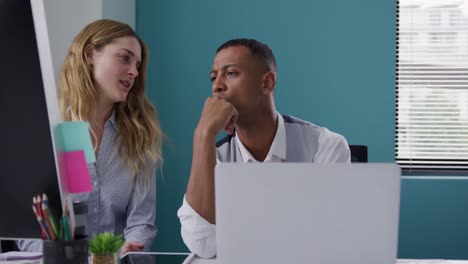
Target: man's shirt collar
column 277, row 152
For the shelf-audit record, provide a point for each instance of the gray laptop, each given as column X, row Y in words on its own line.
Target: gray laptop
column 279, row 213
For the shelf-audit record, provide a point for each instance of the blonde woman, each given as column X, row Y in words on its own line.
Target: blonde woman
column 102, row 81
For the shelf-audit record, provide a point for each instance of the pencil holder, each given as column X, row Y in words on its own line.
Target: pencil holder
column 65, row 251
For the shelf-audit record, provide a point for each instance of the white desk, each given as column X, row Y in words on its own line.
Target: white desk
column 191, row 259
column 430, row 261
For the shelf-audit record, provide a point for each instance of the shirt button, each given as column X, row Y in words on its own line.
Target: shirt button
column 95, row 210
column 95, row 183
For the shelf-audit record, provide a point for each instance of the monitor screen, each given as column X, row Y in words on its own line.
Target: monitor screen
column 27, row 163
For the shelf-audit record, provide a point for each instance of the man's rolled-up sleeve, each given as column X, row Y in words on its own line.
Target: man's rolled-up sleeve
column 198, row 234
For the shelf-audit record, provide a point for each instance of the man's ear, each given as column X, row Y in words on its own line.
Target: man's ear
column 269, row 82
column 89, row 54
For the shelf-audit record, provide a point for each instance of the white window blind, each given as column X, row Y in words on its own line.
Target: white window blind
column 432, row 86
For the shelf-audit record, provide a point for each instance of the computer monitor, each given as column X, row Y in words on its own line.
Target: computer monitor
column 27, row 158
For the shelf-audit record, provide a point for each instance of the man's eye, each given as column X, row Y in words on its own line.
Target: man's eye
column 230, row 73
column 212, row 78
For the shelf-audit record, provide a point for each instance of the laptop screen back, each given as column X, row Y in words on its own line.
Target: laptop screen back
column 307, row 213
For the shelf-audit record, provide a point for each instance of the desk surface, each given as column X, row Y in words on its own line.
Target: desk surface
column 192, row 259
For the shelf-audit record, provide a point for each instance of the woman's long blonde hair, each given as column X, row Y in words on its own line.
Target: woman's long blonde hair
column 138, row 125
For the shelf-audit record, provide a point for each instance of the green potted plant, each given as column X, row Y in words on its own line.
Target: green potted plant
column 104, row 248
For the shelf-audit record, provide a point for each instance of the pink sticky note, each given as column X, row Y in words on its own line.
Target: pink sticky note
column 74, row 173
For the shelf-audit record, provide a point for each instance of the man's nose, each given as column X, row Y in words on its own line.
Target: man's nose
column 218, row 86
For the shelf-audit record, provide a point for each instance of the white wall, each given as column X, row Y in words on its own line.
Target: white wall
column 121, row 10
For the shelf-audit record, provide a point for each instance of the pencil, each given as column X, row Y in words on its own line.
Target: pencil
column 66, row 234
column 45, row 202
column 41, row 223
column 36, row 213
column 49, row 222
column 35, row 205
column 40, row 212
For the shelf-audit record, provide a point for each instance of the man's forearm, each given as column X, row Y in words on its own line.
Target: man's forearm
column 200, row 188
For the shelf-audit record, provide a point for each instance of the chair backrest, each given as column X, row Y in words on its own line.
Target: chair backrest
column 358, row 153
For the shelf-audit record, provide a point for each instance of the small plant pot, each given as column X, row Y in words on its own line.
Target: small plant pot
column 105, row 258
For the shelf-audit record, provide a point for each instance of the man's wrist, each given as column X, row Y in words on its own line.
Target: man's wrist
column 204, row 134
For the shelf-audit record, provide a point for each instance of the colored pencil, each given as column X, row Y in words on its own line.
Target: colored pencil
column 48, row 221
column 41, row 223
column 36, row 213
column 45, row 202
column 66, row 232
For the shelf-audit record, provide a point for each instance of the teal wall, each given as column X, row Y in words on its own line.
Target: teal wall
column 434, row 218
column 336, row 64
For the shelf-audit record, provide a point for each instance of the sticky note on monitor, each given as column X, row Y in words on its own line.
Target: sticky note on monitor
column 73, row 136
column 74, row 173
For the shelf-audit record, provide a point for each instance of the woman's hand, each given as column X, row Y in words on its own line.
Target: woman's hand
column 131, row 246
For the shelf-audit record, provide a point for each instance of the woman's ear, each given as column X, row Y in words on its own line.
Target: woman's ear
column 269, row 82
column 89, row 54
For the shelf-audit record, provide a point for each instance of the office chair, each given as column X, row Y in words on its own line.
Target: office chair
column 358, row 153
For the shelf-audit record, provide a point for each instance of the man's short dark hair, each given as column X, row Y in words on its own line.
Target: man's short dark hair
column 257, row 48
